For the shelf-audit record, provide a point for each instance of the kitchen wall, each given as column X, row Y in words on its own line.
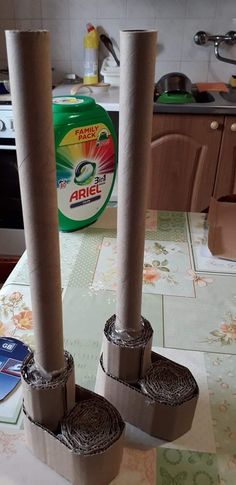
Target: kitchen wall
column 176, row 20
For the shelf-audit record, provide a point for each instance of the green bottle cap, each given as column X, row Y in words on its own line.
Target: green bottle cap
column 66, row 104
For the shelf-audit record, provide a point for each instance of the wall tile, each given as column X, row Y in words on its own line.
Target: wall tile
column 83, row 9
column 163, row 67
column 3, row 63
column 55, row 9
column 26, row 9
column 6, row 9
column 219, row 71
column 191, row 51
column 6, row 24
column 140, row 23
column 60, row 68
column 170, row 38
column 201, row 8
column 77, row 33
column 170, row 8
column 78, row 68
column 176, row 20
column 27, row 24
column 226, row 9
column 138, row 9
column 60, row 38
column 111, row 10
column 197, row 71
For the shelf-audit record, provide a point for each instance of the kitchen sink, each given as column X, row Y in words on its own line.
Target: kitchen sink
column 230, row 96
column 199, row 97
column 203, row 97
column 205, row 102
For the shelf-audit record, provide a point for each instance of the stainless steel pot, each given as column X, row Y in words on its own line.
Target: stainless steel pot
column 174, row 82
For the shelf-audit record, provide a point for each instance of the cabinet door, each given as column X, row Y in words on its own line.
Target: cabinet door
column 184, row 155
column 226, row 173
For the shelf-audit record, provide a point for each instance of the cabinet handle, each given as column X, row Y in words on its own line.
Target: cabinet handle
column 233, row 127
column 214, row 125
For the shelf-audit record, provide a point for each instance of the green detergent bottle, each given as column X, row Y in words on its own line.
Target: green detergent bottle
column 86, row 153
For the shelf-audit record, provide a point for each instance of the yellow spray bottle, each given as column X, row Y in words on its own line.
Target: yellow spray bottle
column 91, row 41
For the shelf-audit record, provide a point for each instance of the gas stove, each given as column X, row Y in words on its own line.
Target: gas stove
column 6, row 119
column 5, row 99
column 11, row 221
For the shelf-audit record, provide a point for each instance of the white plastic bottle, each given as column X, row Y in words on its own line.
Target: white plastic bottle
column 91, row 42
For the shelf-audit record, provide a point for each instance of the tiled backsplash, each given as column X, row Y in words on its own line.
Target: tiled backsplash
column 176, row 21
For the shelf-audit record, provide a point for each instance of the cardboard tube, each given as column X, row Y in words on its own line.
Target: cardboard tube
column 31, row 84
column 40, row 395
column 137, row 61
column 127, row 360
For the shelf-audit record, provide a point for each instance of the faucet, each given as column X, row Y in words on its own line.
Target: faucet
column 202, row 38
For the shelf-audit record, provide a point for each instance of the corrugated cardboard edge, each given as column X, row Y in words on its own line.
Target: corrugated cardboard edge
column 222, row 228
column 100, row 468
column 128, row 363
column 48, row 404
column 159, row 420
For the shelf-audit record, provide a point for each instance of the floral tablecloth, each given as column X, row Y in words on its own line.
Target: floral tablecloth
column 190, row 299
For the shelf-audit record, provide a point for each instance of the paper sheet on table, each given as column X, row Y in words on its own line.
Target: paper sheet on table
column 10, row 407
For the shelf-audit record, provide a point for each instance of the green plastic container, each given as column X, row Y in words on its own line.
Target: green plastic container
column 176, row 98
column 86, row 156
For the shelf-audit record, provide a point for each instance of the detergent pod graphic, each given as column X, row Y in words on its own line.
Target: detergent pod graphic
column 84, row 172
column 86, row 153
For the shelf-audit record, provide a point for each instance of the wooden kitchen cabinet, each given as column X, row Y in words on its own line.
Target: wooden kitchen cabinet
column 184, row 157
column 225, row 183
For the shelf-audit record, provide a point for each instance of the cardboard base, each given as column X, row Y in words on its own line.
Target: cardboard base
column 99, row 463
column 164, row 410
column 129, row 359
column 41, row 395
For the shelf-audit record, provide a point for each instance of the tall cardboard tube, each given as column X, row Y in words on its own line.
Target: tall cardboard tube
column 31, row 85
column 137, row 64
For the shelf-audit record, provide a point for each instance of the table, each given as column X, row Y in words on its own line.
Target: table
column 190, row 299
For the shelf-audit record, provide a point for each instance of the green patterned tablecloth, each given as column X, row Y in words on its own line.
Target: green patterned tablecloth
column 190, row 299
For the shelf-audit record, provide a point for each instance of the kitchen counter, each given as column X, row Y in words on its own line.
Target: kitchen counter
column 110, row 101
column 189, row 300
column 219, row 106
column 107, row 99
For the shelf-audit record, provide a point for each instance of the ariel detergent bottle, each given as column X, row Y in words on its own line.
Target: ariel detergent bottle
column 86, row 150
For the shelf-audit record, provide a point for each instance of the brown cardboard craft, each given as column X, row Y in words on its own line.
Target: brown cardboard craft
column 167, row 412
column 137, row 73
column 89, row 466
column 222, row 227
column 74, row 431
column 150, row 392
column 128, row 360
column 81, row 441
column 40, row 396
column 31, row 92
